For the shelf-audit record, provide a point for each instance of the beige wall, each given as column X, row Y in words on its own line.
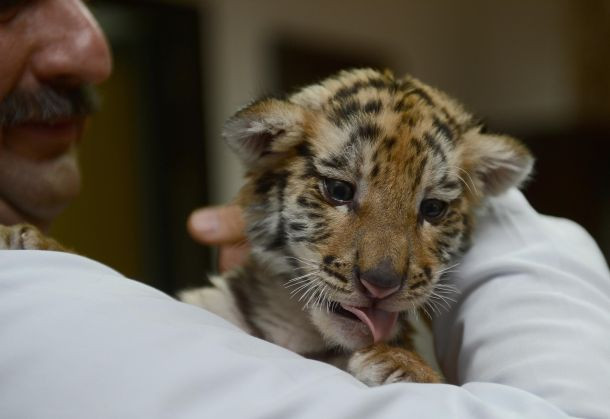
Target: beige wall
column 507, row 60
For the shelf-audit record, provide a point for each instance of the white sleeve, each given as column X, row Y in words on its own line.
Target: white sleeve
column 534, row 310
column 80, row 341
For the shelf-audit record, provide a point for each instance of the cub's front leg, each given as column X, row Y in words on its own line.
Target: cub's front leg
column 383, row 364
column 26, row 237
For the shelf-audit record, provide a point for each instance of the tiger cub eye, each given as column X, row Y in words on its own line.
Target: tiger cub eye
column 338, row 192
column 432, row 209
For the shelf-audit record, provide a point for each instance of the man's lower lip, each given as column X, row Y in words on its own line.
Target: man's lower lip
column 41, row 141
column 60, row 128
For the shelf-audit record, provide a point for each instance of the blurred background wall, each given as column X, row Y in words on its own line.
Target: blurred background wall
column 539, row 70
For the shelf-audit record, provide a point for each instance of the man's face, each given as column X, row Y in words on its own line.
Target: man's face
column 51, row 53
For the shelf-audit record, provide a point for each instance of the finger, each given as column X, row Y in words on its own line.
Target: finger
column 217, row 225
column 232, row 256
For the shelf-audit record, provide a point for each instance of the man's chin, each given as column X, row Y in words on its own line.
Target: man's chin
column 37, row 192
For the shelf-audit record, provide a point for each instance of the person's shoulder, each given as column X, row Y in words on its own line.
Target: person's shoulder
column 24, row 261
column 509, row 229
column 513, row 217
column 59, row 275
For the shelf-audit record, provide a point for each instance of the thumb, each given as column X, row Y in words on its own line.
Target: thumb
column 217, row 225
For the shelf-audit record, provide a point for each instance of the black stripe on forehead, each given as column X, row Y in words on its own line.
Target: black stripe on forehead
column 311, row 171
column 401, row 106
column 417, row 173
column 344, row 112
column 304, row 150
column 372, row 106
column 441, row 180
column 368, row 131
column 349, row 154
column 351, row 110
column 449, row 186
column 444, row 130
column 335, row 161
column 389, row 143
column 417, row 144
column 435, row 147
column 348, row 91
column 379, row 83
column 421, row 94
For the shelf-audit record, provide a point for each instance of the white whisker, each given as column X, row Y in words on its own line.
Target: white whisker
column 442, row 271
column 304, row 285
column 446, row 288
column 433, row 307
column 468, row 185
column 313, row 295
column 474, row 185
column 299, row 278
column 445, row 298
column 310, row 290
column 316, row 300
column 441, row 301
column 425, row 310
column 322, row 296
column 299, row 282
column 304, row 261
column 327, row 300
column 465, row 183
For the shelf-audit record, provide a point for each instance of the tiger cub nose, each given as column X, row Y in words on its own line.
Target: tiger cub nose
column 382, row 280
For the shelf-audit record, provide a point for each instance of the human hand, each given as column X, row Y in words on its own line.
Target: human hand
column 221, row 226
column 27, row 237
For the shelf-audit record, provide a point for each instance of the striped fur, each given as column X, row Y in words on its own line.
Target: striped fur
column 398, row 142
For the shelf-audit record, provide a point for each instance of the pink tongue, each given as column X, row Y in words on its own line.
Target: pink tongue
column 380, row 322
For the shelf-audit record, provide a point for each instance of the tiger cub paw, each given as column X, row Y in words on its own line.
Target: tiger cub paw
column 383, row 364
column 26, row 237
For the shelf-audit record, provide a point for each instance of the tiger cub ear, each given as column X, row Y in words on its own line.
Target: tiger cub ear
column 264, row 130
column 496, row 162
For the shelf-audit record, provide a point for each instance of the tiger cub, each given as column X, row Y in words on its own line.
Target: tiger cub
column 360, row 192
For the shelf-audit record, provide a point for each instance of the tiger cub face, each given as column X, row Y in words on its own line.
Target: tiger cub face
column 361, row 192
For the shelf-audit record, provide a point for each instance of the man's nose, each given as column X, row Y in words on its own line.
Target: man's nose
column 382, row 280
column 71, row 48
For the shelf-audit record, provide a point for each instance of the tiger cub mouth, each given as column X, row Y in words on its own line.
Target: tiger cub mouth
column 380, row 323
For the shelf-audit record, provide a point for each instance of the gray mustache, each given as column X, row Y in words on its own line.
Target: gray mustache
column 47, row 105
